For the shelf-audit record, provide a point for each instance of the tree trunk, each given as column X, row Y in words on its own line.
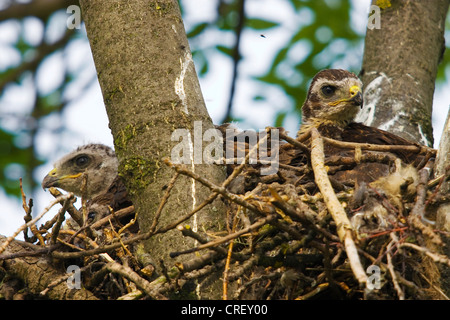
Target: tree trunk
column 150, row 89
column 400, row 63
column 442, row 167
column 399, row 68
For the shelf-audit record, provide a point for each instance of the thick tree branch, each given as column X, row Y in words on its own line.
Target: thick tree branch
column 39, row 272
column 41, row 9
column 236, row 58
column 343, row 225
column 400, row 65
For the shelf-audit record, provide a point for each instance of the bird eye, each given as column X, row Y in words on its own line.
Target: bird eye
column 91, row 215
column 328, row 90
column 82, row 161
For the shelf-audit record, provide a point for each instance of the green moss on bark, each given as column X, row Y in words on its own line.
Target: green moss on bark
column 138, row 172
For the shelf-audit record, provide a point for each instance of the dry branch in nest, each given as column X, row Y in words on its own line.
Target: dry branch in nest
column 303, row 233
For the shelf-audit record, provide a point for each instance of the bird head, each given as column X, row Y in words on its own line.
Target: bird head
column 87, row 171
column 334, row 96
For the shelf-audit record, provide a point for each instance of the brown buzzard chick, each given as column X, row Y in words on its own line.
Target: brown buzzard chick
column 87, row 171
column 91, row 172
column 334, row 99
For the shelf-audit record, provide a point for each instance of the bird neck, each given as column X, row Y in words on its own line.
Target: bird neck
column 328, row 128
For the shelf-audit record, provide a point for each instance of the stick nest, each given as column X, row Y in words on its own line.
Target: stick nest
column 298, row 234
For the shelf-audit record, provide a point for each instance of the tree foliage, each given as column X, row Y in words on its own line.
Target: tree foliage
column 36, row 45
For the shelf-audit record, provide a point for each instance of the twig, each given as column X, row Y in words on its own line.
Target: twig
column 99, row 250
column 36, row 251
column 148, row 288
column 304, row 136
column 226, row 270
column 128, row 225
column 438, row 183
column 303, row 169
column 28, row 224
column 241, row 167
column 299, row 214
column 60, row 220
column 74, row 213
column 28, row 217
column 228, row 260
column 175, row 224
column 243, row 287
column 88, row 240
column 321, row 287
column 119, row 238
column 105, row 248
column 134, row 295
column 118, row 215
column 375, row 147
column 227, row 238
column 27, row 209
column 328, row 267
column 216, row 189
column 188, row 232
column 417, row 214
column 84, row 213
column 366, row 157
column 419, row 206
column 434, row 256
column 205, row 271
column 70, row 245
column 199, row 262
column 337, row 212
column 163, row 201
column 59, row 280
column 391, row 268
column 295, row 143
column 435, row 287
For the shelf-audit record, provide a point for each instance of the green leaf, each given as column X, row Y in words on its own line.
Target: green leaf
column 225, row 50
column 197, row 29
column 280, row 119
column 204, row 69
column 259, row 98
column 260, row 24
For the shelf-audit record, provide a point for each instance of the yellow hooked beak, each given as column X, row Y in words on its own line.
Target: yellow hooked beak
column 52, row 179
column 355, row 97
column 354, row 90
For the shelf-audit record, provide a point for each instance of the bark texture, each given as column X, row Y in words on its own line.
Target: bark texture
column 442, row 167
column 150, row 89
column 400, row 65
column 37, row 273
